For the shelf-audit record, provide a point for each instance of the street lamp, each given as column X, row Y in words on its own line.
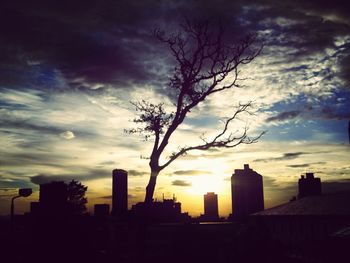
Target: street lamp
column 23, row 192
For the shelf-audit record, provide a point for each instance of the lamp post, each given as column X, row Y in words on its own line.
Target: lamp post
column 24, row 192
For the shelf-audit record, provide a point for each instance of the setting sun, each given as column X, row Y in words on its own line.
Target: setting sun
column 206, row 183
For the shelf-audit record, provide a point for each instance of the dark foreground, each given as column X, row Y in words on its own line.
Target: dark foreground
column 91, row 239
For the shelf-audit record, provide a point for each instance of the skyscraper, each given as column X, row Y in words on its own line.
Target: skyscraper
column 247, row 192
column 53, row 193
column 309, row 185
column 211, row 211
column 119, row 192
column 53, row 200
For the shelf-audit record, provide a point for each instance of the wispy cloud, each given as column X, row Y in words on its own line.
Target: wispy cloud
column 304, row 165
column 63, row 110
column 284, row 116
column 285, row 156
column 84, row 175
column 191, row 172
column 181, row 183
column 136, row 173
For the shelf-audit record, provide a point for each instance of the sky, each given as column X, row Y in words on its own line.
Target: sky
column 69, row 70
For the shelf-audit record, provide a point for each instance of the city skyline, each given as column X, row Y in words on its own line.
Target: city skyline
column 123, row 204
column 69, row 73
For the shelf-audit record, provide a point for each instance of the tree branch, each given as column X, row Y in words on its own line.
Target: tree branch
column 218, row 142
column 205, row 64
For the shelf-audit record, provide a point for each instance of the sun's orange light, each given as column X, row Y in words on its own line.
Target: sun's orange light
column 206, row 183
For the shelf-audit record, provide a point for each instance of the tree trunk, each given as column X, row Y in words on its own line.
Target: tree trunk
column 151, row 186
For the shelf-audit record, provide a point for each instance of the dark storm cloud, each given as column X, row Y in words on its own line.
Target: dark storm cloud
column 180, row 183
column 84, row 39
column 87, row 175
column 287, row 115
column 307, row 26
column 109, row 41
column 99, row 41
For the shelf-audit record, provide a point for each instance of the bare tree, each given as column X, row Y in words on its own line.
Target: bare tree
column 206, row 64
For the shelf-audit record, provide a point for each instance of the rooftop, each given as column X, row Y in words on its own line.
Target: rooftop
column 326, row 204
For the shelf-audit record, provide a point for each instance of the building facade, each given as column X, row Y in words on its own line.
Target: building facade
column 53, row 200
column 167, row 211
column 211, row 211
column 119, row 192
column 247, row 192
column 309, row 186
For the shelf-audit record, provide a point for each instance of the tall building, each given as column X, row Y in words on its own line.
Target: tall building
column 53, row 199
column 119, row 192
column 211, row 211
column 53, row 193
column 169, row 210
column 247, row 192
column 309, row 186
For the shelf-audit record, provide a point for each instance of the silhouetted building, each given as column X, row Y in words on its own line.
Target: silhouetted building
column 307, row 219
column 53, row 193
column 167, row 211
column 52, row 199
column 35, row 207
column 120, row 192
column 211, row 211
column 101, row 210
column 309, row 186
column 247, row 192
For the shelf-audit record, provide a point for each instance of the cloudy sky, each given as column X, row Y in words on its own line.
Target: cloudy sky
column 69, row 69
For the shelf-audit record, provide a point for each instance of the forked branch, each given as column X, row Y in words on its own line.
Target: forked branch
column 207, row 62
column 220, row 140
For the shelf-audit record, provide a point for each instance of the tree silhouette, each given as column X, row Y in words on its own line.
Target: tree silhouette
column 76, row 197
column 206, row 64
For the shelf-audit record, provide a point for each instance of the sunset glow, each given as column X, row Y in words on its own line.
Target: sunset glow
column 67, row 80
